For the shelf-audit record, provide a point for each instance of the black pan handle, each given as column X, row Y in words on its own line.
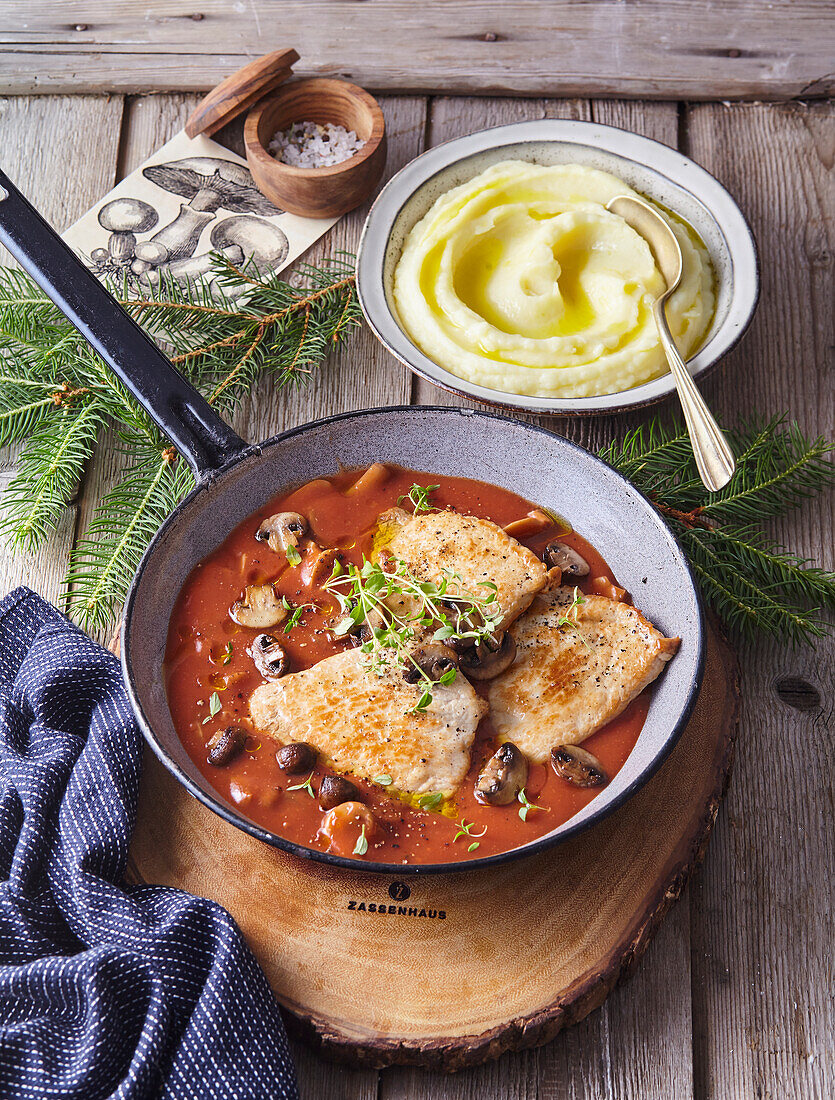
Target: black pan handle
column 192, row 425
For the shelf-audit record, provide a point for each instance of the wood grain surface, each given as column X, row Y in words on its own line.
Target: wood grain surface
column 519, row 951
column 655, row 49
column 733, row 998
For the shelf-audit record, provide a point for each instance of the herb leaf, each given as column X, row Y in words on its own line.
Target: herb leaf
column 383, row 780
column 361, row 846
column 431, row 801
column 306, row 786
column 293, row 555
column 527, row 805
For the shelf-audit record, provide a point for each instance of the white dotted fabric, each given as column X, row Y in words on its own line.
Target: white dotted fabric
column 106, row 990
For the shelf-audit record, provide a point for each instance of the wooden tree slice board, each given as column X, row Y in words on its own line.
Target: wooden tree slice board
column 469, row 965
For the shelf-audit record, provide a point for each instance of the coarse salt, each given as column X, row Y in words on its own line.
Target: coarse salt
column 310, row 145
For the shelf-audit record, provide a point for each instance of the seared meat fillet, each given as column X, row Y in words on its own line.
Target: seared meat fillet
column 359, row 721
column 568, row 681
column 477, row 550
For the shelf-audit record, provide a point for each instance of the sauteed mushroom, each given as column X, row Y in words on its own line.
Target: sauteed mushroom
column 336, row 789
column 535, row 521
column 571, row 563
column 297, row 758
column 321, row 569
column 434, row 661
column 225, row 745
column 282, row 530
column 259, row 607
column 270, row 658
column 485, row 660
column 578, row 767
column 502, row 777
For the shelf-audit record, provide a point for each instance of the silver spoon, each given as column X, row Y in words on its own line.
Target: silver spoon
column 714, row 457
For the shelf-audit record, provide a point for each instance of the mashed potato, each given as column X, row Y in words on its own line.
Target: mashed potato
column 520, row 280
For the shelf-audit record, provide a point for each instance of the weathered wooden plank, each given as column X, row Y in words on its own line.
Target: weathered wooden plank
column 40, row 153
column 654, row 50
column 762, row 910
column 639, row 1044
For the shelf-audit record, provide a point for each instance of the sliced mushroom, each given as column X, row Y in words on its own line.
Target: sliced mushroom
column 434, row 661
column 571, row 563
column 336, row 789
column 361, row 634
column 578, row 767
column 269, row 656
column 531, row 524
column 502, row 777
column 259, row 607
column 225, row 745
column 393, row 517
column 372, row 478
column 321, row 568
column 297, row 758
column 484, row 661
column 282, row 530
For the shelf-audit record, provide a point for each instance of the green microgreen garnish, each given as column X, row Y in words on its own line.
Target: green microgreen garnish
column 473, row 846
column 227, row 654
column 361, row 846
column 527, row 805
column 418, row 496
column 306, row 786
column 214, row 707
column 383, row 780
column 293, row 555
column 570, row 616
column 297, row 612
column 431, row 801
column 447, row 611
column 465, row 828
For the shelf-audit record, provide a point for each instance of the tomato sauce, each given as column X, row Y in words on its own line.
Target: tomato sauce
column 207, row 656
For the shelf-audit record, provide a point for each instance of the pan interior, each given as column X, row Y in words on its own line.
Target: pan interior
column 540, row 466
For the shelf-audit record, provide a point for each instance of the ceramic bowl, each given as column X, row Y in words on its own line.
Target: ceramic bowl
column 654, row 170
column 526, row 459
column 317, row 192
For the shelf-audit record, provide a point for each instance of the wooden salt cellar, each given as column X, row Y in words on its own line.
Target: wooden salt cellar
column 273, row 105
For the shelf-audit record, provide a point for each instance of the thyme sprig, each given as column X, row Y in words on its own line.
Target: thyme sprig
column 397, row 608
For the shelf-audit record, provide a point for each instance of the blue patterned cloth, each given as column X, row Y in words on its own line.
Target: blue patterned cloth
column 106, row 990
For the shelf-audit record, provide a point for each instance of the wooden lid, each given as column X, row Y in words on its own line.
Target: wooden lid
column 238, row 92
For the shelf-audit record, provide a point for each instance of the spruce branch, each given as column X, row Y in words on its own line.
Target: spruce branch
column 58, row 396
column 755, row 585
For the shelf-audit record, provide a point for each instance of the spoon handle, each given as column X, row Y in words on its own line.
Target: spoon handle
column 714, row 458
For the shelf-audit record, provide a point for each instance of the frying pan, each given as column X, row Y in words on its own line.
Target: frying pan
column 235, row 479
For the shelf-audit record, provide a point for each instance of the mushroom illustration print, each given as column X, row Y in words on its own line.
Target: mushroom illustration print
column 216, row 191
column 240, row 239
column 210, row 185
column 124, row 218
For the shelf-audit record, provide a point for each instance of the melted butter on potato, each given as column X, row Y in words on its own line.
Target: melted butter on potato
column 520, row 280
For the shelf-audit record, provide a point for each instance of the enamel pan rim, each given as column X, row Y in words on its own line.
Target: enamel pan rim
column 225, row 811
column 660, row 172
